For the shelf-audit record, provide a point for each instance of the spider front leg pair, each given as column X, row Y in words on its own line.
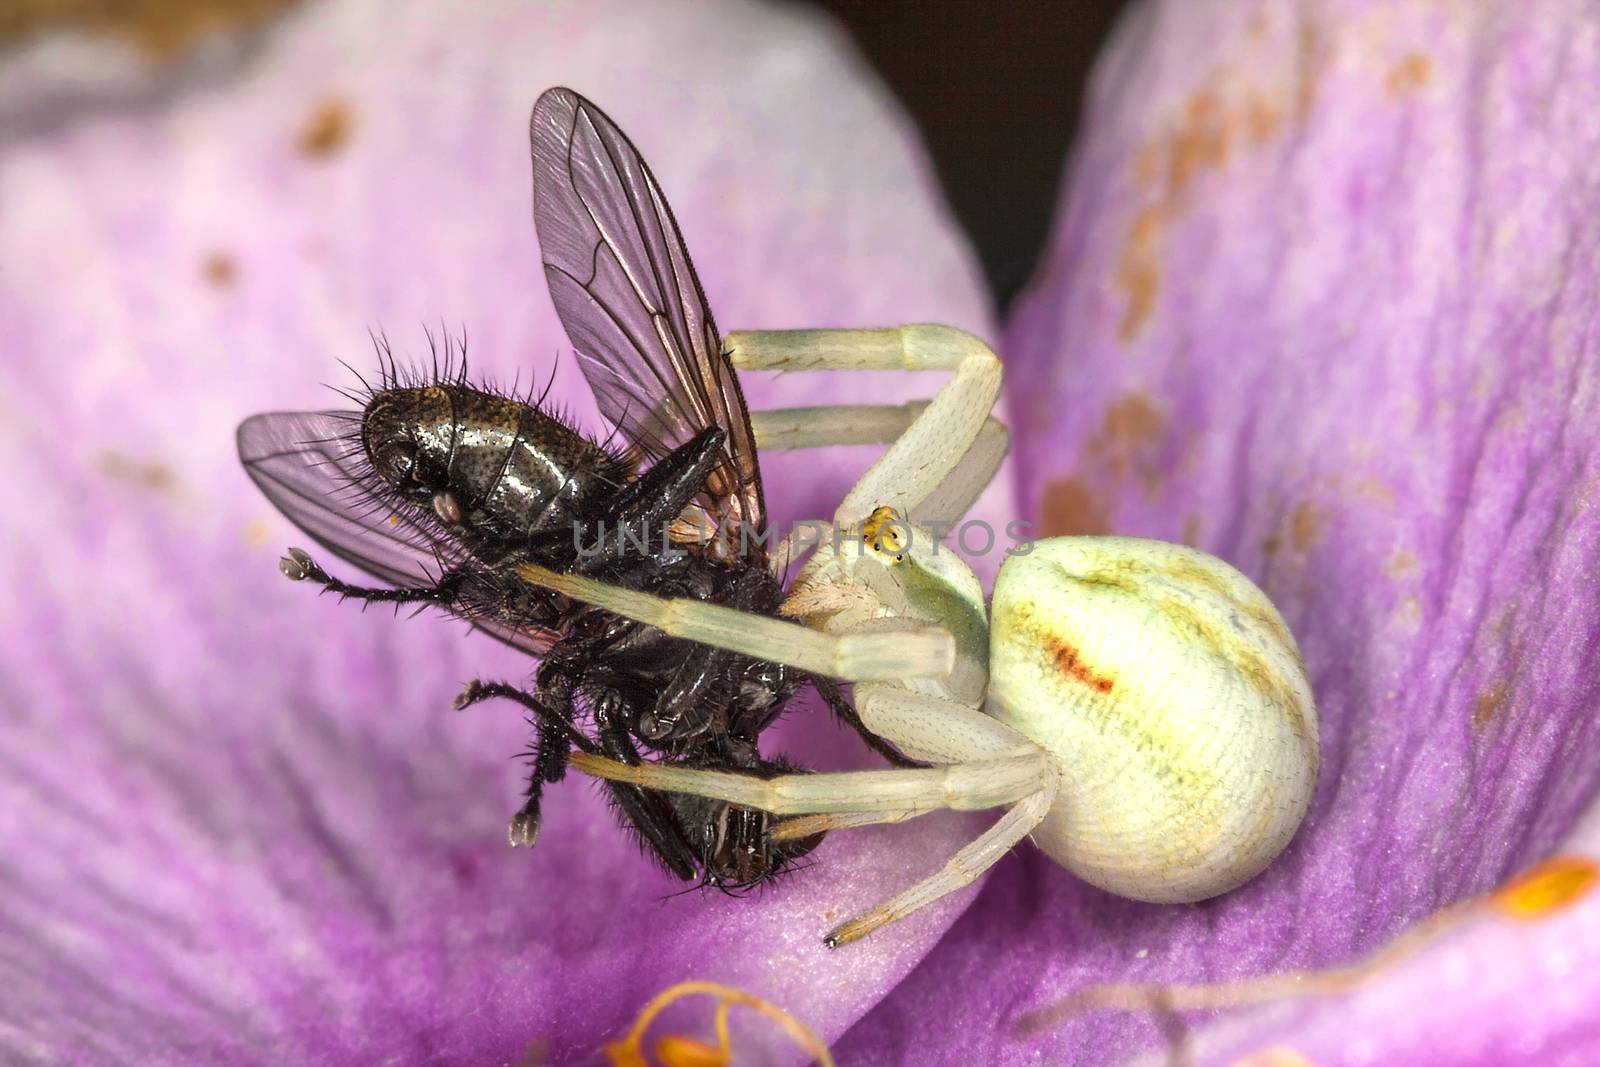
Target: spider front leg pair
column 1140, row 708
column 866, row 629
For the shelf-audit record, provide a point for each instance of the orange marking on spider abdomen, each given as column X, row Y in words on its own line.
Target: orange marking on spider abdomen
column 1069, row 662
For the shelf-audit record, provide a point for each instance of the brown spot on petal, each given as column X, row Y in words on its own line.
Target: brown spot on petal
column 327, row 129
column 1191, row 531
column 1201, row 142
column 1129, row 438
column 1300, row 530
column 219, row 268
column 1262, row 118
column 1305, row 527
column 1222, row 117
column 1401, row 565
column 1408, row 75
column 1489, row 704
column 1139, row 273
column 537, row 1053
column 256, row 532
column 1310, row 59
column 1070, row 663
column 146, row 474
column 1069, row 508
column 162, row 29
column 1547, row 887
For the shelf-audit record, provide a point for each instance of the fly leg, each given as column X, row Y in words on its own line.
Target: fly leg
column 647, row 811
column 556, row 738
column 297, row 566
column 641, row 512
column 551, row 705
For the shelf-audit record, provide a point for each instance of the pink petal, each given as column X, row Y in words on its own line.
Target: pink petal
column 1323, row 300
column 243, row 825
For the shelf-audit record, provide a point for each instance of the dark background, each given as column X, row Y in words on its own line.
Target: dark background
column 996, row 89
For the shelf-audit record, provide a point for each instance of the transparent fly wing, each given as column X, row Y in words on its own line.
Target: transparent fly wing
column 312, row 467
column 627, row 293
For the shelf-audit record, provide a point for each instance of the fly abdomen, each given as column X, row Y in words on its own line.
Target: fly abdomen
column 510, row 469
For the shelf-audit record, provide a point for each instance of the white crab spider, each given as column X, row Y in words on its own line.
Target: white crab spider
column 1139, row 708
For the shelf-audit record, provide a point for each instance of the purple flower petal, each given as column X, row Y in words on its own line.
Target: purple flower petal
column 241, row 823
column 1323, row 301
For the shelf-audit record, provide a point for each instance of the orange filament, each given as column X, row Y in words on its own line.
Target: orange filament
column 676, row 1050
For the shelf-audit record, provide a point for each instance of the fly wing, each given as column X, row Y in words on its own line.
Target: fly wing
column 632, row 306
column 312, row 467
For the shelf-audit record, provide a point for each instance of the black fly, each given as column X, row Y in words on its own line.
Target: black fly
column 441, row 489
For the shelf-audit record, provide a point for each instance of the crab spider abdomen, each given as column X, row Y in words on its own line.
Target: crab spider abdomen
column 1175, row 703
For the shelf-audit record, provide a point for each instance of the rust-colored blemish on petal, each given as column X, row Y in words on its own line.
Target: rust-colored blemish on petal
column 1262, row 118
column 1139, row 273
column 1305, row 527
column 1128, row 439
column 1201, row 142
column 1310, row 59
column 1300, row 530
column 1489, row 703
column 256, row 532
column 1067, row 660
column 327, row 129
column 536, row 1054
column 1408, row 75
column 1191, row 531
column 1547, row 887
column 1401, row 565
column 163, row 30
column 153, row 475
column 219, row 268
column 1219, row 119
column 1069, row 508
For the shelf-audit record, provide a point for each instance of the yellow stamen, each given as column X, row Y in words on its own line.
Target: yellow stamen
column 1549, row 886
column 675, row 1050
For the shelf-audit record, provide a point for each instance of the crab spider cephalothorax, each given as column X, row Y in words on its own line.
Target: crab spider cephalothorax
column 1138, row 707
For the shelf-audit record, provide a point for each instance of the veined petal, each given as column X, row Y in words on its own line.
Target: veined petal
column 1322, row 300
column 242, row 824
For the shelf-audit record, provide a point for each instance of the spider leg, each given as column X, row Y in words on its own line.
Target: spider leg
column 801, row 827
column 962, row 869
column 935, row 729
column 781, row 429
column 930, row 441
column 846, row 713
column 909, row 651
column 962, row 786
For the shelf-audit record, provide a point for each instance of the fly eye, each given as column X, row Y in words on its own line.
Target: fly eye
column 396, row 462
